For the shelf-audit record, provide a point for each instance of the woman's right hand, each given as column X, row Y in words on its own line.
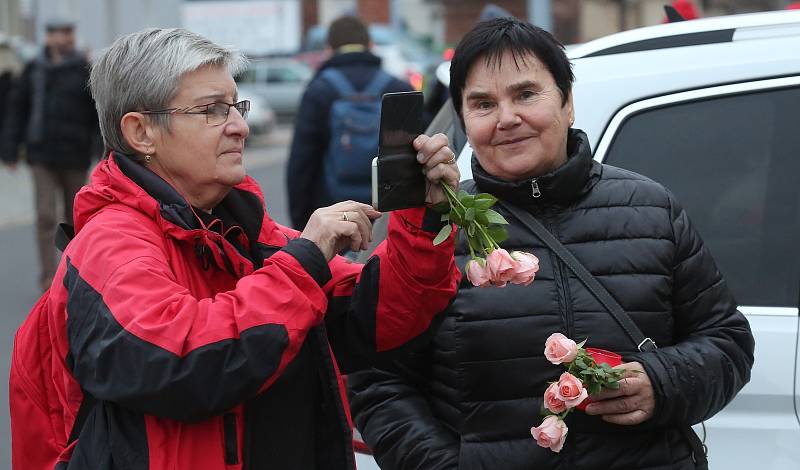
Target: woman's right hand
column 344, row 224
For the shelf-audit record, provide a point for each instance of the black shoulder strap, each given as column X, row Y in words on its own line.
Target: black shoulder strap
column 83, row 412
column 634, row 333
column 642, row 343
column 64, row 234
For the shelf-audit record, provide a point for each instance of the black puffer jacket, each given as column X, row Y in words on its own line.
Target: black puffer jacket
column 51, row 111
column 470, row 400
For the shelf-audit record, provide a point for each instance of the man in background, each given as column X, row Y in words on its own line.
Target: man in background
column 51, row 115
column 317, row 175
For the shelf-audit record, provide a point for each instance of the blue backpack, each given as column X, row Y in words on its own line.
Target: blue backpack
column 354, row 125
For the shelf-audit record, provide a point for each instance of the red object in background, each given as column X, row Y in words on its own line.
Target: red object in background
column 793, row 6
column 600, row 356
column 685, row 8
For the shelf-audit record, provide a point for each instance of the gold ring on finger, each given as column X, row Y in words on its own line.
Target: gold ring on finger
column 452, row 160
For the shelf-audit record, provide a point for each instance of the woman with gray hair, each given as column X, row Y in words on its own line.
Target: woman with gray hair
column 198, row 333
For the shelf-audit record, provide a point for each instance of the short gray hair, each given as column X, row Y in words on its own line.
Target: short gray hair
column 141, row 71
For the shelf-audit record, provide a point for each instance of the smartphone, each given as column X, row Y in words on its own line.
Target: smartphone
column 397, row 178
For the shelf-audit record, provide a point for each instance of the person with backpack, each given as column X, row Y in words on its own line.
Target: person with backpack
column 185, row 329
column 337, row 124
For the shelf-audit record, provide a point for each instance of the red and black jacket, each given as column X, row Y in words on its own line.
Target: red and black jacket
column 214, row 347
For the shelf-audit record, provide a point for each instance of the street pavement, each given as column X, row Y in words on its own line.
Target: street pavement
column 265, row 161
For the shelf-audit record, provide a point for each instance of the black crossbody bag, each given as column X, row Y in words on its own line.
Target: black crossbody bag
column 633, row 332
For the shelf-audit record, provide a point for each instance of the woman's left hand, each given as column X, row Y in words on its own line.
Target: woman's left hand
column 632, row 403
column 439, row 164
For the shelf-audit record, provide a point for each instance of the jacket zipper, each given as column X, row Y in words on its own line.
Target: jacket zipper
column 563, row 280
column 535, row 192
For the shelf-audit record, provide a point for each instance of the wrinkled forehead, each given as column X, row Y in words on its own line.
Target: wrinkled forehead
column 207, row 84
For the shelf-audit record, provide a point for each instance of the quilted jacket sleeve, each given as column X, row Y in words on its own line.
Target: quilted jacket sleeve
column 395, row 418
column 711, row 359
column 377, row 308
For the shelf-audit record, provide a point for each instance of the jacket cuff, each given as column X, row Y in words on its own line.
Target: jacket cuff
column 423, row 218
column 310, row 258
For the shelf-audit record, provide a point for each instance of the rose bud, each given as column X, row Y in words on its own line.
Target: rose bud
column 551, row 433
column 552, row 401
column 559, row 349
column 501, row 267
column 527, row 266
column 571, row 390
column 477, row 273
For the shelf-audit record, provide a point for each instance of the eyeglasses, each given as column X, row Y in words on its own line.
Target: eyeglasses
column 216, row 112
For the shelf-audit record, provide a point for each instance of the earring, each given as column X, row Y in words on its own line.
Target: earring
column 147, row 158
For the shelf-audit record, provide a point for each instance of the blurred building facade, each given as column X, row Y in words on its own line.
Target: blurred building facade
column 98, row 22
column 444, row 22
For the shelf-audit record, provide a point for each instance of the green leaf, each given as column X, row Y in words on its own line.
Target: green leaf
column 498, row 233
column 462, row 194
column 445, row 217
column 483, row 204
column 468, row 201
column 471, row 230
column 580, row 345
column 587, row 372
column 613, row 385
column 495, row 218
column 470, row 215
column 606, row 367
column 480, row 217
column 486, row 196
column 474, row 243
column 443, row 234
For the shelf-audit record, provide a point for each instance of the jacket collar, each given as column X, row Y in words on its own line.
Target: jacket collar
column 560, row 187
column 351, row 58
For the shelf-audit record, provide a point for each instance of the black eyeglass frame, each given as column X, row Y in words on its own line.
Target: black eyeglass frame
column 243, row 107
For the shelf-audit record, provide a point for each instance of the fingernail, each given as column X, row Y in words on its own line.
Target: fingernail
column 417, row 139
column 420, row 157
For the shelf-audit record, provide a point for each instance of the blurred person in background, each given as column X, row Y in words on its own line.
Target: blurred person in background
column 51, row 114
column 204, row 334
column 9, row 68
column 470, row 399
column 311, row 182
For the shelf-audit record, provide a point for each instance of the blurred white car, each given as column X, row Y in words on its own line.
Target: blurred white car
column 280, row 81
column 261, row 118
column 716, row 103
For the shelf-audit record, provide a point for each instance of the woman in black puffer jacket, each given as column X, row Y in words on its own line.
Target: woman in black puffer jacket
column 470, row 398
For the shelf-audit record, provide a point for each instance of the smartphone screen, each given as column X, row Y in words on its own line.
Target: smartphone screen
column 397, row 179
column 401, row 121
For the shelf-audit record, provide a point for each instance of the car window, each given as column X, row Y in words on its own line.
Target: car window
column 731, row 161
column 287, row 73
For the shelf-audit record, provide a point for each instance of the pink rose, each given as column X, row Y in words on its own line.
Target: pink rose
column 552, row 401
column 551, row 433
column 527, row 266
column 477, row 273
column 559, row 349
column 501, row 267
column 570, row 390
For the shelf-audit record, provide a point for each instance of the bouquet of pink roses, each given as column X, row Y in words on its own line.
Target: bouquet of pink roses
column 588, row 371
column 484, row 227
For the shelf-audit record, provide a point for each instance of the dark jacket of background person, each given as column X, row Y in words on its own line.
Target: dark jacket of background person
column 305, row 178
column 51, row 111
column 469, row 401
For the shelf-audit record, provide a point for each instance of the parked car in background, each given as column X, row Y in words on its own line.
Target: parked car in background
column 279, row 81
column 403, row 56
column 261, row 118
column 711, row 109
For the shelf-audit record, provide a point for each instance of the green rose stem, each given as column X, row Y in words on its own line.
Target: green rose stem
column 453, row 199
